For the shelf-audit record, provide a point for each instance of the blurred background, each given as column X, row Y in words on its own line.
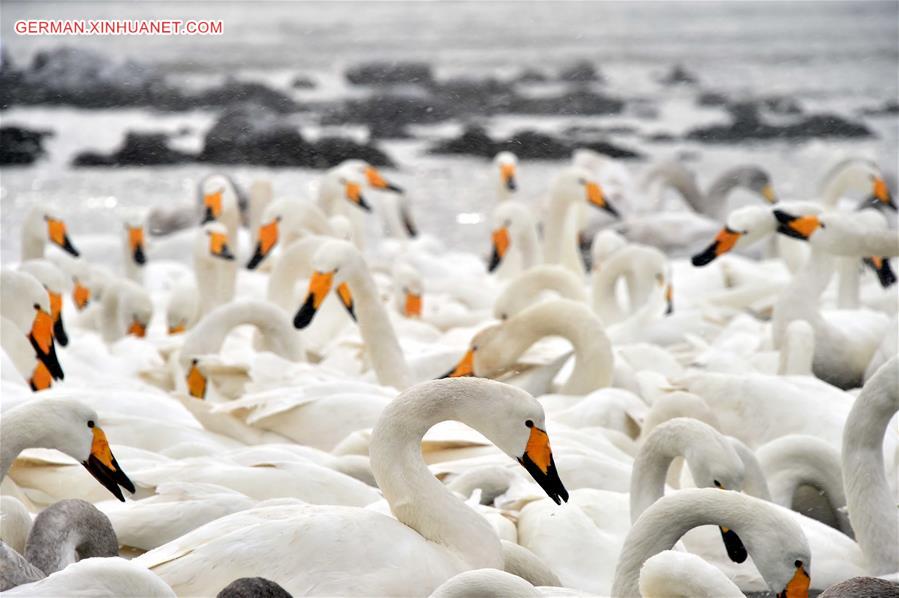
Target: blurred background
column 431, row 91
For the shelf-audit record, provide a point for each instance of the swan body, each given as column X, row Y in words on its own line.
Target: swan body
column 680, row 574
column 100, row 577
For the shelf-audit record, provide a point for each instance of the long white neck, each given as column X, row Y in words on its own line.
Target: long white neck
column 216, row 279
column 574, row 322
column 754, row 482
column 680, row 437
column 560, row 245
column 529, row 244
column 604, row 290
column 848, row 291
column 799, row 301
column 377, row 332
column 32, row 246
column 872, row 509
column 670, row 517
column 416, row 497
column 15, row 344
column 112, row 328
column 23, row 427
column 133, row 271
column 797, row 350
column 274, row 325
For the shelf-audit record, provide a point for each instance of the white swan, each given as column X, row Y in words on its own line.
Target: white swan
column 872, row 508
column 504, row 174
column 54, row 280
column 67, row 426
column 775, row 542
column 337, row 551
column 220, row 204
column 40, row 227
column 641, row 267
column 498, row 347
column 673, row 574
column 97, row 577
column 283, row 222
column 854, row 174
column 514, row 232
column 571, row 189
column 126, row 308
column 25, row 309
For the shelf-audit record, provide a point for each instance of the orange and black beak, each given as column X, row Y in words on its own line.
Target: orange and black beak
column 268, row 238
column 500, row 247
column 81, row 295
column 41, row 337
column 196, row 381
column 59, row 330
column 798, row 227
column 177, row 328
column 346, row 298
column 538, row 460
column 218, row 246
column 798, row 586
column 408, row 223
column 41, row 379
column 732, row 543
column 137, row 328
column 465, row 367
column 768, row 193
column 881, row 266
column 56, row 232
column 507, row 174
column 353, row 193
column 412, row 307
column 136, row 242
column 103, row 466
column 724, row 242
column 597, row 198
column 319, row 286
column 669, row 299
column 881, row 194
column 212, row 204
column 374, row 178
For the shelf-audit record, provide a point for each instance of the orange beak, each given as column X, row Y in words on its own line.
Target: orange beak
column 354, row 194
column 136, row 242
column 724, row 242
column 59, row 330
column 507, row 174
column 500, row 246
column 538, row 460
column 218, row 246
column 56, row 232
column 343, row 291
column 81, row 295
column 799, row 585
column 596, row 197
column 102, row 465
column 213, row 204
column 196, row 381
column 465, row 367
column 41, row 338
column 178, row 329
column 412, row 309
column 137, row 329
column 40, row 378
column 267, row 239
column 798, row 227
column 319, row 287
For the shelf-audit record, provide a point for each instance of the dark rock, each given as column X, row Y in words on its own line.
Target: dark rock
column 746, row 124
column 302, row 82
column 888, row 108
column 678, row 75
column 465, row 96
column 582, row 71
column 661, row 137
column 782, row 105
column 390, row 73
column 386, row 112
column 577, row 102
column 231, row 92
column 531, row 76
column 21, row 146
column 138, row 149
column 712, row 98
column 525, row 144
column 258, row 135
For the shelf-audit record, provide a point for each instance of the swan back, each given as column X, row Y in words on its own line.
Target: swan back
column 529, row 286
column 673, row 574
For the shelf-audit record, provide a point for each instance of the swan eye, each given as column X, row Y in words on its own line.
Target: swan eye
column 37, row 306
column 529, row 423
column 798, row 564
column 90, row 423
column 717, row 483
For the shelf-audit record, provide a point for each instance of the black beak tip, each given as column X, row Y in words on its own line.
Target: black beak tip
column 611, row 210
column 394, row 188
column 208, row 216
column 139, row 257
column 704, row 258
column 68, row 247
column 255, row 260
column 495, row 260
column 59, row 332
column 364, row 204
column 783, row 217
column 305, row 314
column 786, row 230
column 511, row 185
column 736, row 551
column 226, row 254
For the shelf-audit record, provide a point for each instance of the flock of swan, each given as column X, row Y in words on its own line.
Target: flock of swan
column 283, row 396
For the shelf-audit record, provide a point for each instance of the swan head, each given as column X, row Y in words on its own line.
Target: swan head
column 218, row 197
column 511, row 221
column 135, row 243
column 484, row 356
column 212, row 242
column 42, row 223
column 505, row 166
column 408, row 290
column 371, row 175
column 56, row 283
column 346, row 181
column 27, row 306
column 753, row 178
column 747, row 225
column 577, row 184
column 333, row 265
column 77, row 433
column 135, row 307
column 865, row 176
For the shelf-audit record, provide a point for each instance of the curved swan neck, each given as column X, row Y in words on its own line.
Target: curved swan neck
column 67, row 531
column 670, row 517
column 273, row 323
column 605, row 281
column 571, row 320
column 529, row 244
column 560, row 244
column 20, row 429
column 872, row 510
column 797, row 350
column 799, row 301
column 377, row 332
column 294, row 263
column 416, row 497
